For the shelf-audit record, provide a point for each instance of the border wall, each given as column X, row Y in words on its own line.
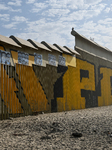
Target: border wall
column 84, row 82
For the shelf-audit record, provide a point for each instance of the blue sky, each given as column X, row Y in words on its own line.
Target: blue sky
column 52, row 20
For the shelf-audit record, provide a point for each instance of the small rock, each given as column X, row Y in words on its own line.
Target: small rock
column 94, row 130
column 82, row 139
column 76, row 134
column 45, row 137
column 53, row 123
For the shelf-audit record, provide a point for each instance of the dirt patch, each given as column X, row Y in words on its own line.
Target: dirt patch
column 78, row 129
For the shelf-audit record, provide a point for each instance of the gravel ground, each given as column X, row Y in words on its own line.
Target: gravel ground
column 58, row 131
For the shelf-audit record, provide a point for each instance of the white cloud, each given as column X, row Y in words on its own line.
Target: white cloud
column 10, row 25
column 15, row 10
column 66, row 3
column 51, row 32
column 63, row 9
column 73, row 4
column 37, row 7
column 47, row 36
column 4, row 17
column 90, row 25
column 30, row 1
column 53, row 20
column 56, row 12
column 94, row 11
column 3, row 7
column 40, row 5
column 107, row 10
column 107, row 21
column 80, row 15
column 16, row 20
column 29, row 35
column 19, row 19
column 92, row 2
column 15, row 2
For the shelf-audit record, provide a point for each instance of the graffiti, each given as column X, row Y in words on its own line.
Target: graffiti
column 105, row 83
column 23, row 58
column 53, row 89
column 28, row 87
column 61, row 60
column 38, row 59
column 48, row 77
column 8, row 88
column 73, row 86
column 84, row 74
column 52, row 59
column 31, row 89
column 5, row 57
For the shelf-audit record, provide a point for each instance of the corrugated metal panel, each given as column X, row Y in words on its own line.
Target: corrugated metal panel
column 38, row 45
column 52, row 47
column 62, row 49
column 73, row 51
column 22, row 42
column 8, row 41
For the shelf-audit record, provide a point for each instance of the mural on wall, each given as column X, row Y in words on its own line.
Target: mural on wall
column 7, row 89
column 38, row 59
column 2, row 48
column 23, row 58
column 34, row 88
column 5, row 57
column 52, row 59
column 105, row 97
column 78, row 84
column 61, row 60
column 48, row 76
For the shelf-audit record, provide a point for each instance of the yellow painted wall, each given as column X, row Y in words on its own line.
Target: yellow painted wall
column 72, row 86
column 70, row 60
column 31, row 60
column 14, row 56
column 106, row 97
column 8, row 88
column 2, row 48
column 32, row 88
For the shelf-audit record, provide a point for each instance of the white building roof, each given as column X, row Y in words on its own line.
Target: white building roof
column 50, row 46
column 9, row 41
column 38, row 45
column 62, row 49
column 22, row 42
column 72, row 50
